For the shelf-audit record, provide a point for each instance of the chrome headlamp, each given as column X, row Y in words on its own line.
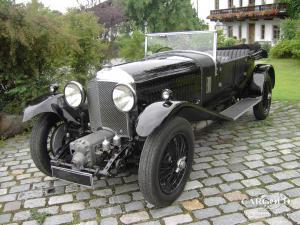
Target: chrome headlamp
column 74, row 94
column 124, row 97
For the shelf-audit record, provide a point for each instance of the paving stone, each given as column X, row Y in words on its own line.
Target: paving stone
column 295, row 216
column 167, row 211
column 59, row 219
column 83, row 196
column 287, row 174
column 3, row 191
column 178, row 219
column 210, row 191
column 235, row 218
column 132, row 206
column 114, row 210
column 103, row 192
column 235, row 196
column 23, row 215
column 254, row 164
column 8, row 198
column 266, row 179
column 294, row 192
column 87, row 214
column 72, row 207
column 206, row 213
column 218, row 171
column 187, row 195
column 212, row 181
column 280, row 220
column 255, row 192
column 295, row 203
column 192, row 205
column 12, row 206
column 5, row 218
column 126, row 188
column 231, row 207
column 134, row 217
column 109, row 221
column 98, row 202
column 212, row 201
column 93, row 222
column 60, row 199
column 19, row 188
column 35, row 203
column 49, row 210
column 30, row 194
column 279, row 208
column 257, row 213
column 232, row 177
column 190, row 185
column 251, row 182
column 118, row 199
column 279, row 186
column 149, row 223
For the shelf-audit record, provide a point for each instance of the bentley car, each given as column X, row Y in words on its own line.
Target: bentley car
column 140, row 114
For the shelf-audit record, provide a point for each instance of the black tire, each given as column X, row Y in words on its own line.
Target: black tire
column 262, row 109
column 154, row 150
column 38, row 142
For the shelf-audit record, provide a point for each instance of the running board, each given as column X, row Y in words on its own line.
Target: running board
column 238, row 109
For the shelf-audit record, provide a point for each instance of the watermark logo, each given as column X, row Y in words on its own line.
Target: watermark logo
column 267, row 201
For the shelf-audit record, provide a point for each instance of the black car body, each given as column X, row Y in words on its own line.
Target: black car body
column 140, row 113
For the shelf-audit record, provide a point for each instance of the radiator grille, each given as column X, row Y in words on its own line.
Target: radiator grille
column 102, row 110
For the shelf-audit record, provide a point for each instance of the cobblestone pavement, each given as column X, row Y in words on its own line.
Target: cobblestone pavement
column 238, row 169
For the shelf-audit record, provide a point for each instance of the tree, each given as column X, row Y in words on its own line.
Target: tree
column 293, row 8
column 163, row 15
column 36, row 42
column 132, row 46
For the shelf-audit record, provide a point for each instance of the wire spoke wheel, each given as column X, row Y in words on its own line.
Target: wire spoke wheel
column 172, row 167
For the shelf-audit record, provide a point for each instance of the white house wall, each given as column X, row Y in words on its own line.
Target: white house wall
column 268, row 29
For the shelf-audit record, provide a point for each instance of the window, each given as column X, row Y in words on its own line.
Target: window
column 263, row 2
column 240, row 32
column 262, row 32
column 276, row 32
column 241, row 3
column 230, row 3
column 230, row 31
column 217, row 4
column 251, row 2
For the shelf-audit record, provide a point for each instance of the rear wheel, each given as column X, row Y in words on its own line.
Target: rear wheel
column 262, row 109
column 166, row 162
column 46, row 138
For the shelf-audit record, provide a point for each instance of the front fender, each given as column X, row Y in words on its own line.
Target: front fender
column 41, row 105
column 157, row 113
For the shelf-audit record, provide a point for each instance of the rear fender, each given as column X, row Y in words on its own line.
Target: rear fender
column 49, row 103
column 158, row 113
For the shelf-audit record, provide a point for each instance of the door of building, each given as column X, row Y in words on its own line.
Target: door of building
column 251, row 35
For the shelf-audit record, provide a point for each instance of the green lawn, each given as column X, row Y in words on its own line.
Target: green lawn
column 287, row 75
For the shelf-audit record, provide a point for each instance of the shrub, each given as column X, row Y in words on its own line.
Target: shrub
column 283, row 49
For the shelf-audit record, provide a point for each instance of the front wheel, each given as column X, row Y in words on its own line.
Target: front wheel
column 47, row 137
column 166, row 162
column 262, row 109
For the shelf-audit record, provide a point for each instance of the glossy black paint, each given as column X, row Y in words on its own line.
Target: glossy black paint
column 54, row 103
column 41, row 105
column 157, row 113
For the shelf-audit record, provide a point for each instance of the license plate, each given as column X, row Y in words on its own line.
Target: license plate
column 73, row 176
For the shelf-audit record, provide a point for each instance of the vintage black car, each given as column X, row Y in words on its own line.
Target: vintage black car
column 139, row 115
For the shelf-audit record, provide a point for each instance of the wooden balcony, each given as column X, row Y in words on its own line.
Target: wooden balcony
column 268, row 11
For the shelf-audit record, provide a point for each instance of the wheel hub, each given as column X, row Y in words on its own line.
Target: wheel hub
column 181, row 164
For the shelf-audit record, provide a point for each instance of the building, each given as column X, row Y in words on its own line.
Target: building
column 247, row 20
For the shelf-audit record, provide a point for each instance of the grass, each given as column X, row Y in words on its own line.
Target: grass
column 287, row 75
column 39, row 217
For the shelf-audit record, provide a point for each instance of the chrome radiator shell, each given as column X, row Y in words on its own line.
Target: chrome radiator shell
column 102, row 110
